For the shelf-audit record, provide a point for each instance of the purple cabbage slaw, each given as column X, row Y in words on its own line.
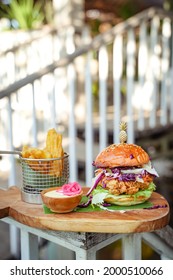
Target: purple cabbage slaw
column 97, row 180
column 85, row 204
column 157, row 206
column 116, row 173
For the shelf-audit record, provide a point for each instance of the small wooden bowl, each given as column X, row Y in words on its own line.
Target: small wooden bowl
column 62, row 204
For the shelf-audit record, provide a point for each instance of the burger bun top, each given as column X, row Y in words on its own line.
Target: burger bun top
column 125, row 154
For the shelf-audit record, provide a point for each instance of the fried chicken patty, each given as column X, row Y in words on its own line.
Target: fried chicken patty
column 118, row 187
column 125, row 187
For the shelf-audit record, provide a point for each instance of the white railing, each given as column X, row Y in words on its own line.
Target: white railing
column 25, row 52
column 132, row 68
column 22, row 53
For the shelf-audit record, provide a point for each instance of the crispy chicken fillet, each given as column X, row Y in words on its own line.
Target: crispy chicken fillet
column 121, row 187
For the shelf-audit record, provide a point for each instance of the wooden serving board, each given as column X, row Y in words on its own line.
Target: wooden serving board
column 141, row 220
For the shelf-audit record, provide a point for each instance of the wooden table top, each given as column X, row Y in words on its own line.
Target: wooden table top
column 130, row 221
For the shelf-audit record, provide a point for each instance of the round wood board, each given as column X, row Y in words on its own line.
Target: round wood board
column 141, row 220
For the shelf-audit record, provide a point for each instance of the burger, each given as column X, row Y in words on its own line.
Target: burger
column 124, row 176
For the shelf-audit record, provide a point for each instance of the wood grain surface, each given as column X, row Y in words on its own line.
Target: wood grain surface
column 141, row 220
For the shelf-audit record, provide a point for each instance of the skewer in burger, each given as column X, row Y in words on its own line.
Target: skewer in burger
column 124, row 175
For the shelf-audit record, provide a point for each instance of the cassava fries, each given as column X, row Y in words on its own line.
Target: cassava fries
column 52, row 150
column 28, row 152
column 54, row 143
column 54, row 147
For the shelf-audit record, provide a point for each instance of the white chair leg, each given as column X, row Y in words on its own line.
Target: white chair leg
column 132, row 246
column 29, row 246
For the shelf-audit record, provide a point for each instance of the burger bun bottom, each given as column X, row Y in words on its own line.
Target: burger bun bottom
column 126, row 201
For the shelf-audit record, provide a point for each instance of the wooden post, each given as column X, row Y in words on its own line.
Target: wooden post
column 117, row 76
column 142, row 69
column 130, row 69
column 71, row 74
column 103, row 76
column 132, row 246
column 89, row 120
column 29, row 246
column 166, row 33
column 82, row 254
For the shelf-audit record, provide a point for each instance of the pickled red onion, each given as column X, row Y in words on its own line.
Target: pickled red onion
column 70, row 189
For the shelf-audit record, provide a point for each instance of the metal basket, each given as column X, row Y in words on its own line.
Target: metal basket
column 39, row 174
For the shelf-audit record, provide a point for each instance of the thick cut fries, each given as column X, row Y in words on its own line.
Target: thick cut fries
column 28, row 152
column 52, row 150
column 54, row 143
column 54, row 147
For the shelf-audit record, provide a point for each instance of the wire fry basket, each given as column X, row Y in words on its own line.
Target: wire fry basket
column 39, row 174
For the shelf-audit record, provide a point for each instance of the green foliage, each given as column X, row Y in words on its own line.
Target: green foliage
column 127, row 10
column 168, row 5
column 94, row 25
column 26, row 13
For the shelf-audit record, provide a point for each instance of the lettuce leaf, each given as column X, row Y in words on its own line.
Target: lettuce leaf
column 99, row 194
